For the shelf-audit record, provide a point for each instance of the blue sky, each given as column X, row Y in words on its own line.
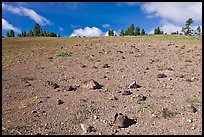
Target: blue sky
column 96, row 18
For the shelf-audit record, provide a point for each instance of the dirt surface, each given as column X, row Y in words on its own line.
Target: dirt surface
column 47, row 94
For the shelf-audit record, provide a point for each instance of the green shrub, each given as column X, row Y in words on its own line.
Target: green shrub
column 63, row 54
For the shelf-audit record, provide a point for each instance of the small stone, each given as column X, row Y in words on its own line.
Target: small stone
column 191, row 109
column 192, row 128
column 161, row 75
column 50, row 57
column 95, row 117
column 86, row 128
column 59, row 102
column 106, row 66
column 146, row 68
column 126, row 92
column 141, row 97
column 34, row 111
column 134, row 85
column 189, row 121
column 72, row 88
column 82, row 66
column 92, row 84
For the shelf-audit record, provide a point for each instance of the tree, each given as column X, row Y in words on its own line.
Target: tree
column 23, row 34
column 130, row 30
column 198, row 30
column 58, row 35
column 158, row 31
column 187, row 30
column 8, row 34
column 30, row 33
column 122, row 33
column 52, row 34
column 45, row 33
column 143, row 32
column 110, row 33
column 12, row 34
column 137, row 31
column 36, row 29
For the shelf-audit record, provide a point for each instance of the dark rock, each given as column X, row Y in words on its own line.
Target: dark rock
column 141, row 97
column 72, row 88
column 92, row 84
column 121, row 121
column 54, row 85
column 82, row 66
column 191, row 109
column 106, row 66
column 59, row 102
column 134, row 85
column 50, row 57
column 126, row 92
column 161, row 75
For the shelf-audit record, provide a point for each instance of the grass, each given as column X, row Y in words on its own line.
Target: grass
column 63, row 54
column 193, row 100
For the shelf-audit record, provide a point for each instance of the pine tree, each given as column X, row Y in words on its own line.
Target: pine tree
column 36, row 29
column 187, row 30
column 30, row 33
column 137, row 31
column 12, row 34
column 131, row 30
column 110, row 33
column 8, row 34
column 143, row 32
column 198, row 30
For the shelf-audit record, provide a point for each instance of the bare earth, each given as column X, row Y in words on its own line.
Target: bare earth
column 34, row 80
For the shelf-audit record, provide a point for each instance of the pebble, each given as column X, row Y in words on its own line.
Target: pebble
column 134, row 85
column 126, row 92
column 161, row 75
column 59, row 102
column 192, row 128
column 189, row 121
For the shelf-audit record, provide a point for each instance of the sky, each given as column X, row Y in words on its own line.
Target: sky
column 96, row 18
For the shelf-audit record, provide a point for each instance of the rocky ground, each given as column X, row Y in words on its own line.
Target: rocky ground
column 102, row 86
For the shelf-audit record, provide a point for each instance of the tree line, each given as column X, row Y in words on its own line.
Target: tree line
column 135, row 31
column 36, row 32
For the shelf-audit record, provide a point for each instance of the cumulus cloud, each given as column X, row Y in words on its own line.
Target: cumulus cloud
column 105, row 25
column 7, row 26
column 61, row 29
column 87, row 31
column 176, row 12
column 27, row 12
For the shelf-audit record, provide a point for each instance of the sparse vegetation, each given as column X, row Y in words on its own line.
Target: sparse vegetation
column 63, row 54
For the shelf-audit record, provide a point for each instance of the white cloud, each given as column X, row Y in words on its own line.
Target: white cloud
column 73, row 5
column 7, row 26
column 27, row 12
column 169, row 28
column 176, row 12
column 61, row 29
column 87, row 31
column 74, row 26
column 131, row 4
column 105, row 25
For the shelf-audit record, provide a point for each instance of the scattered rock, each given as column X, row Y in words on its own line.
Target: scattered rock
column 181, row 76
column 191, row 109
column 92, row 84
column 161, row 75
column 121, row 121
column 72, row 88
column 141, row 97
column 146, row 68
column 106, row 66
column 126, row 92
column 123, row 57
column 189, row 121
column 59, row 102
column 87, row 128
column 50, row 57
column 54, row 85
column 82, row 66
column 134, row 85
